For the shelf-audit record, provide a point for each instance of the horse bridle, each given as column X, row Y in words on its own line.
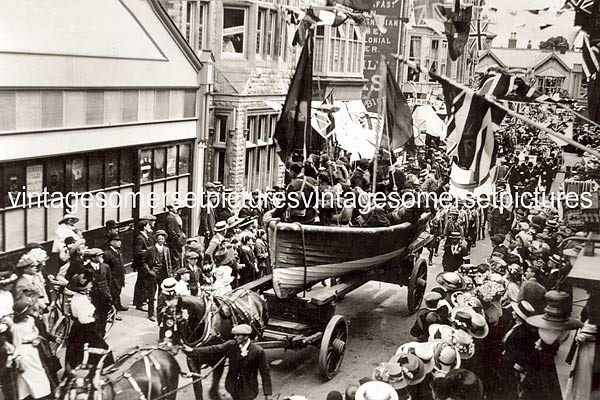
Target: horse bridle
column 207, row 319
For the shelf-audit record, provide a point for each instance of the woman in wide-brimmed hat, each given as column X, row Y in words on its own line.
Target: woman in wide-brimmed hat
column 518, row 344
column 36, row 377
column 375, row 390
column 445, row 358
column 84, row 329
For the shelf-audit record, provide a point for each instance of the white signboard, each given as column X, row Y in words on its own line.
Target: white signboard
column 35, row 180
column 234, row 30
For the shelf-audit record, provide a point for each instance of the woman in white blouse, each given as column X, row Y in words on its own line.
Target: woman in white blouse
column 84, row 329
column 33, row 379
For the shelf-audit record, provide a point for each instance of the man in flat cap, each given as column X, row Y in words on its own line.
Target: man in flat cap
column 208, row 218
column 175, row 235
column 246, row 359
column 114, row 260
column 95, row 268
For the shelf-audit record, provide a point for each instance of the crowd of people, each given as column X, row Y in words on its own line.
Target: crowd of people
column 491, row 329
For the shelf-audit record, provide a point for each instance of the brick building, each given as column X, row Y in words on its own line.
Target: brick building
column 250, row 43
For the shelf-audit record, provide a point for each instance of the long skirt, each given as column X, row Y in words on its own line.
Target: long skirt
column 32, row 380
column 80, row 335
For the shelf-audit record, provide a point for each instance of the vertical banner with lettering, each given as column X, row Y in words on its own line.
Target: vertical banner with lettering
column 382, row 37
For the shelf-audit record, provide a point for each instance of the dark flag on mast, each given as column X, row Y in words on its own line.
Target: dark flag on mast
column 398, row 126
column 294, row 122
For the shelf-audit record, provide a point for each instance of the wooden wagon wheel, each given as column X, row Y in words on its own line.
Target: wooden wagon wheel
column 333, row 346
column 417, row 285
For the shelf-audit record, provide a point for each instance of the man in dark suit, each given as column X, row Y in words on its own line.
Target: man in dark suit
column 191, row 261
column 208, row 218
column 142, row 242
column 246, row 359
column 114, row 260
column 157, row 265
column 175, row 235
column 101, row 297
column 361, row 177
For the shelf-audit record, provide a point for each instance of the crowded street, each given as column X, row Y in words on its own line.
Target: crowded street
column 300, row 200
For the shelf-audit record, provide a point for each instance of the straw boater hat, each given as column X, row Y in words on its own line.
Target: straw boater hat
column 523, row 309
column 68, row 216
column 168, row 285
column 556, row 314
column 445, row 357
column 375, row 390
column 220, row 226
column 422, row 350
column 460, row 339
column 247, row 222
column 451, row 281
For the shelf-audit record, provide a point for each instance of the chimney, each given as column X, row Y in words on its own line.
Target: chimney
column 529, row 44
column 512, row 42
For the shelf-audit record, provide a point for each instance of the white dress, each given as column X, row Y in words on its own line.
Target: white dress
column 32, row 381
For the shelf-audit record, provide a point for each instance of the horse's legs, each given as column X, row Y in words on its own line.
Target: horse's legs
column 196, row 366
column 216, row 378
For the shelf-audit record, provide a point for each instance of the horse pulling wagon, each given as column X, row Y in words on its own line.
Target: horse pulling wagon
column 286, row 310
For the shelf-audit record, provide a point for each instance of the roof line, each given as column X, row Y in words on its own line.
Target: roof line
column 183, row 44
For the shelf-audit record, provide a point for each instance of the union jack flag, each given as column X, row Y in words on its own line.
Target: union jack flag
column 581, row 5
column 591, row 55
column 472, row 121
column 478, row 36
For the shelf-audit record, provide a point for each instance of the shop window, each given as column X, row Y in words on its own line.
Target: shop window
column 130, row 105
column 96, row 172
column 146, row 166
column 94, row 108
column 111, row 168
column 126, row 174
column 234, row 30
column 52, row 109
column 171, row 161
column 14, row 181
column 158, row 171
column 189, row 104
column 8, row 111
column 77, row 174
column 161, row 105
column 184, row 159
column 55, row 175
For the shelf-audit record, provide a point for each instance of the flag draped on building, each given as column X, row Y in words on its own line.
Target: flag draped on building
column 293, row 130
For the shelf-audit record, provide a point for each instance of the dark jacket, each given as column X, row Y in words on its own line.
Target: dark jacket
column 100, row 294
column 23, row 287
column 159, row 263
column 533, row 292
column 207, row 222
column 141, row 244
column 175, row 235
column 519, row 345
column 242, row 378
column 114, row 261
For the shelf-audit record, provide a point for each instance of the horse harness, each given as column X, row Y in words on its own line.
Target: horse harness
column 128, row 360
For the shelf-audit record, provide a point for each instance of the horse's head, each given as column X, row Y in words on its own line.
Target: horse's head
column 191, row 320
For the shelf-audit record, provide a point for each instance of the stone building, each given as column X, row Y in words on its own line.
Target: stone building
column 254, row 60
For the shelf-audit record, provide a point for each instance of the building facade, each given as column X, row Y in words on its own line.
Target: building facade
column 553, row 72
column 94, row 130
column 254, row 60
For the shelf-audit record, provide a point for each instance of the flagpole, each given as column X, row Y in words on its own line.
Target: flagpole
column 578, row 114
column 381, row 112
column 508, row 111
